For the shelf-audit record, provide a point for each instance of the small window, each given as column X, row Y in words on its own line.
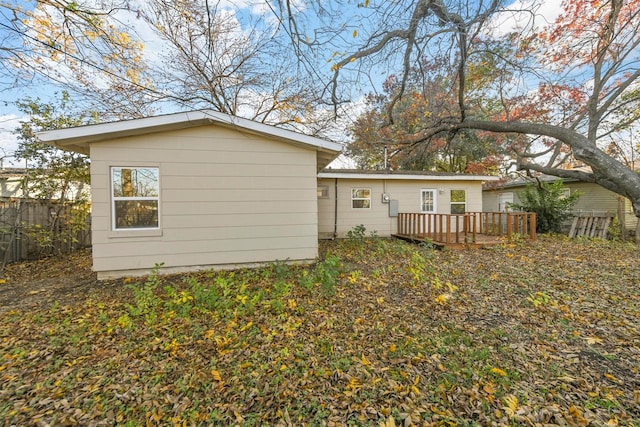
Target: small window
column 135, row 195
column 458, row 201
column 360, row 198
column 323, row 191
column 427, row 200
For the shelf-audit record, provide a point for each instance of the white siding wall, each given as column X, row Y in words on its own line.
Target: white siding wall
column 226, row 198
column 326, row 209
column 599, row 199
column 490, row 200
column 406, row 192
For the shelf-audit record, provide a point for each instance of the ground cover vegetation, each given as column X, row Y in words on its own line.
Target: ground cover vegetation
column 378, row 332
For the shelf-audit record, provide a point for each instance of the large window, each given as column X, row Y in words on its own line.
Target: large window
column 428, row 201
column 458, row 201
column 361, row 198
column 135, row 197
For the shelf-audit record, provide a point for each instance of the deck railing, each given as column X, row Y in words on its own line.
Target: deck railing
column 465, row 228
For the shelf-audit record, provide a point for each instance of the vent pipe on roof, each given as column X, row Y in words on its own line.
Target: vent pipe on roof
column 386, row 158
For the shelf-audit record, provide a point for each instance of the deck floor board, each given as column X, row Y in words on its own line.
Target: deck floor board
column 480, row 241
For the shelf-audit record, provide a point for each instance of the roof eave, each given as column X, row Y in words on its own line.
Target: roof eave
column 408, row 176
column 79, row 138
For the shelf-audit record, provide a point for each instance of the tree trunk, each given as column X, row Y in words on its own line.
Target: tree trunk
column 606, row 171
column 622, row 220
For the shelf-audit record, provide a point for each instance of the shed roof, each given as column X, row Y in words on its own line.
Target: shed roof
column 79, row 138
column 523, row 181
column 402, row 174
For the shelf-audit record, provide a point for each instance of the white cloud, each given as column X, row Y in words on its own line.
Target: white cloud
column 8, row 141
column 524, row 15
column 343, row 162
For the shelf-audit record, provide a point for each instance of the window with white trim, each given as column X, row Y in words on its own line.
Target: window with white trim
column 135, row 198
column 458, row 201
column 428, row 201
column 361, row 198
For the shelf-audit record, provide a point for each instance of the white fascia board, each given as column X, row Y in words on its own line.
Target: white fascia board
column 409, row 177
column 101, row 131
column 83, row 135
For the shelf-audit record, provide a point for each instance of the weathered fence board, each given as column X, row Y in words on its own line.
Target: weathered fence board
column 591, row 225
column 30, row 229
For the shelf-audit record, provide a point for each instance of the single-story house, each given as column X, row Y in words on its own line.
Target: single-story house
column 12, row 186
column 203, row 189
column 348, row 198
column 594, row 199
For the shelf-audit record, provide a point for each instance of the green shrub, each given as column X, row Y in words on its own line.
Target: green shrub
column 550, row 204
column 144, row 296
column 326, row 273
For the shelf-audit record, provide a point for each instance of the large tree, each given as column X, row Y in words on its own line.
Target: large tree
column 229, row 61
column 58, row 179
column 80, row 47
column 391, row 122
column 584, row 67
column 130, row 58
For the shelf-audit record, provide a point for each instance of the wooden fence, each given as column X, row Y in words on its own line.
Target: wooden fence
column 591, row 224
column 31, row 229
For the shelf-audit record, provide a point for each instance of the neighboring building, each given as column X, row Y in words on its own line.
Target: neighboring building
column 11, row 180
column 594, row 198
column 203, row 189
column 12, row 187
column 373, row 198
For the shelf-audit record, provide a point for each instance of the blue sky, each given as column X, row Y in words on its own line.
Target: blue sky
column 10, row 115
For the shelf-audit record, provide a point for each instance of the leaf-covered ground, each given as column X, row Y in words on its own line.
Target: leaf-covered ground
column 378, row 333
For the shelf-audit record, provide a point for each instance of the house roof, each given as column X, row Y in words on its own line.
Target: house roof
column 402, row 174
column 8, row 173
column 79, row 138
column 523, row 181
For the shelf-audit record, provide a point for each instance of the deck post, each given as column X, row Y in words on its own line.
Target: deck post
column 412, row 224
column 467, row 226
column 532, row 226
column 473, row 228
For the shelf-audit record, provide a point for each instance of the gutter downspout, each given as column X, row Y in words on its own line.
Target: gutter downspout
column 335, row 210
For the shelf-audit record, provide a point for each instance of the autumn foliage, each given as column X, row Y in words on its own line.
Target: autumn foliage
column 397, row 117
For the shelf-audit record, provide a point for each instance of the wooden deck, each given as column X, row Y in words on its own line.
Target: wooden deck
column 468, row 230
